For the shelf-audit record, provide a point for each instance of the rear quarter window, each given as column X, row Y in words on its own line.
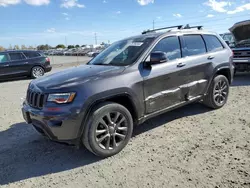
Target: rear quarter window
column 16, row 56
column 193, row 45
column 32, row 54
column 213, row 43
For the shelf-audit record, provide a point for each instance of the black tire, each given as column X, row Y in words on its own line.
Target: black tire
column 217, row 98
column 37, row 72
column 119, row 131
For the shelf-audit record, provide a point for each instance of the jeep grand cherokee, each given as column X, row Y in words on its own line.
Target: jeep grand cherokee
column 134, row 79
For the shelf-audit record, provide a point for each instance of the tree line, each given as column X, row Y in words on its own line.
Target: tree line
column 42, row 47
column 17, row 47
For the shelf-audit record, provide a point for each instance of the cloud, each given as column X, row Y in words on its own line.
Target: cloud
column 238, row 9
column 145, row 2
column 37, row 2
column 158, row 17
column 218, row 6
column 67, row 18
column 65, row 14
column 51, row 30
column 118, row 12
column 104, row 1
column 5, row 3
column 71, row 4
column 210, row 15
column 177, row 15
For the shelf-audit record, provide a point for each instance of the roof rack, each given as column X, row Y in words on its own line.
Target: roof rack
column 199, row 27
column 153, row 30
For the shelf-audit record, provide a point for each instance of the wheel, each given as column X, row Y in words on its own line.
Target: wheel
column 218, row 92
column 37, row 72
column 108, row 130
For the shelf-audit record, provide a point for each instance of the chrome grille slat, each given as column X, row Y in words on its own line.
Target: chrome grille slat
column 35, row 99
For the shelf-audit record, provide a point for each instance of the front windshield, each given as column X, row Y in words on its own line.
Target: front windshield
column 123, row 52
column 228, row 37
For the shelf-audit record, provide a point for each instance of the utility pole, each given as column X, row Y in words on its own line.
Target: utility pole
column 66, row 41
column 153, row 24
column 95, row 39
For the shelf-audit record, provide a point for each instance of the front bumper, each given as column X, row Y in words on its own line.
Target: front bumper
column 56, row 124
column 242, row 64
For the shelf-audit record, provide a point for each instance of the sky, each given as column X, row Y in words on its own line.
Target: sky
column 35, row 22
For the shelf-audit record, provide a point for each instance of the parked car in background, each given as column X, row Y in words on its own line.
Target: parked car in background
column 134, row 79
column 23, row 63
column 241, row 49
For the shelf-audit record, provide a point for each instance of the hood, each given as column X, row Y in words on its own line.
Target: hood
column 75, row 76
column 241, row 31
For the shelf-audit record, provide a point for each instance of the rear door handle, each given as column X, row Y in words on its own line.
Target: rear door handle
column 181, row 64
column 210, row 57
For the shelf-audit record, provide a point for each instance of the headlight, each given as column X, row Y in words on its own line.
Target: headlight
column 61, row 98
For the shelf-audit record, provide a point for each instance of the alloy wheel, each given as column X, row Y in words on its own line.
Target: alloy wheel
column 220, row 92
column 38, row 72
column 111, row 130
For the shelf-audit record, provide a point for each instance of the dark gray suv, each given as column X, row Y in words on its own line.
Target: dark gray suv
column 134, row 79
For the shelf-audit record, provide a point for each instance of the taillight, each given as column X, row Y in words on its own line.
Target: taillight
column 47, row 59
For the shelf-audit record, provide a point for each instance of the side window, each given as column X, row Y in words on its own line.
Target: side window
column 213, row 43
column 193, row 45
column 170, row 46
column 3, row 58
column 31, row 54
column 16, row 56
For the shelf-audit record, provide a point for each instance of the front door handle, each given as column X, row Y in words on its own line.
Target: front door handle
column 181, row 64
column 6, row 65
column 25, row 62
column 210, row 57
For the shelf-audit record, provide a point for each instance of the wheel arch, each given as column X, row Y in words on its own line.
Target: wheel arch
column 125, row 99
column 220, row 70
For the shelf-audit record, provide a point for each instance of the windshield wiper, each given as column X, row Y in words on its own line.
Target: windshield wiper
column 101, row 64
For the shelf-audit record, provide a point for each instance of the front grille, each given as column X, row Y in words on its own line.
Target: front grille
column 35, row 99
column 239, row 54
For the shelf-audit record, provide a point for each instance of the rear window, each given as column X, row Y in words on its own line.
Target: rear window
column 16, row 56
column 193, row 45
column 213, row 43
column 32, row 54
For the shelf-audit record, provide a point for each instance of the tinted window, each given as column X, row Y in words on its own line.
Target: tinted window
column 170, row 46
column 212, row 42
column 31, row 54
column 193, row 45
column 3, row 58
column 16, row 56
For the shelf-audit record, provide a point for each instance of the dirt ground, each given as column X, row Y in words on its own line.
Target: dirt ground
column 189, row 147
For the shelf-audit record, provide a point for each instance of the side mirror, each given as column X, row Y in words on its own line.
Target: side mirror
column 158, row 57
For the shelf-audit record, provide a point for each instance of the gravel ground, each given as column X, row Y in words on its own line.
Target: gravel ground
column 189, row 147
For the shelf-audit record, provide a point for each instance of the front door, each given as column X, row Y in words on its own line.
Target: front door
column 162, row 82
column 18, row 63
column 4, row 65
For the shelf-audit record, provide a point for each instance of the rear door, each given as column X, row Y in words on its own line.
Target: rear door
column 198, row 63
column 4, row 65
column 18, row 63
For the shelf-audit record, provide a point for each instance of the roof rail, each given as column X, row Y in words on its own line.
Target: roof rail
column 199, row 27
column 153, row 30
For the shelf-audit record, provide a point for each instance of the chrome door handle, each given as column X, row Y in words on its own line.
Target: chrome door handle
column 6, row 65
column 181, row 64
column 210, row 57
column 26, row 62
